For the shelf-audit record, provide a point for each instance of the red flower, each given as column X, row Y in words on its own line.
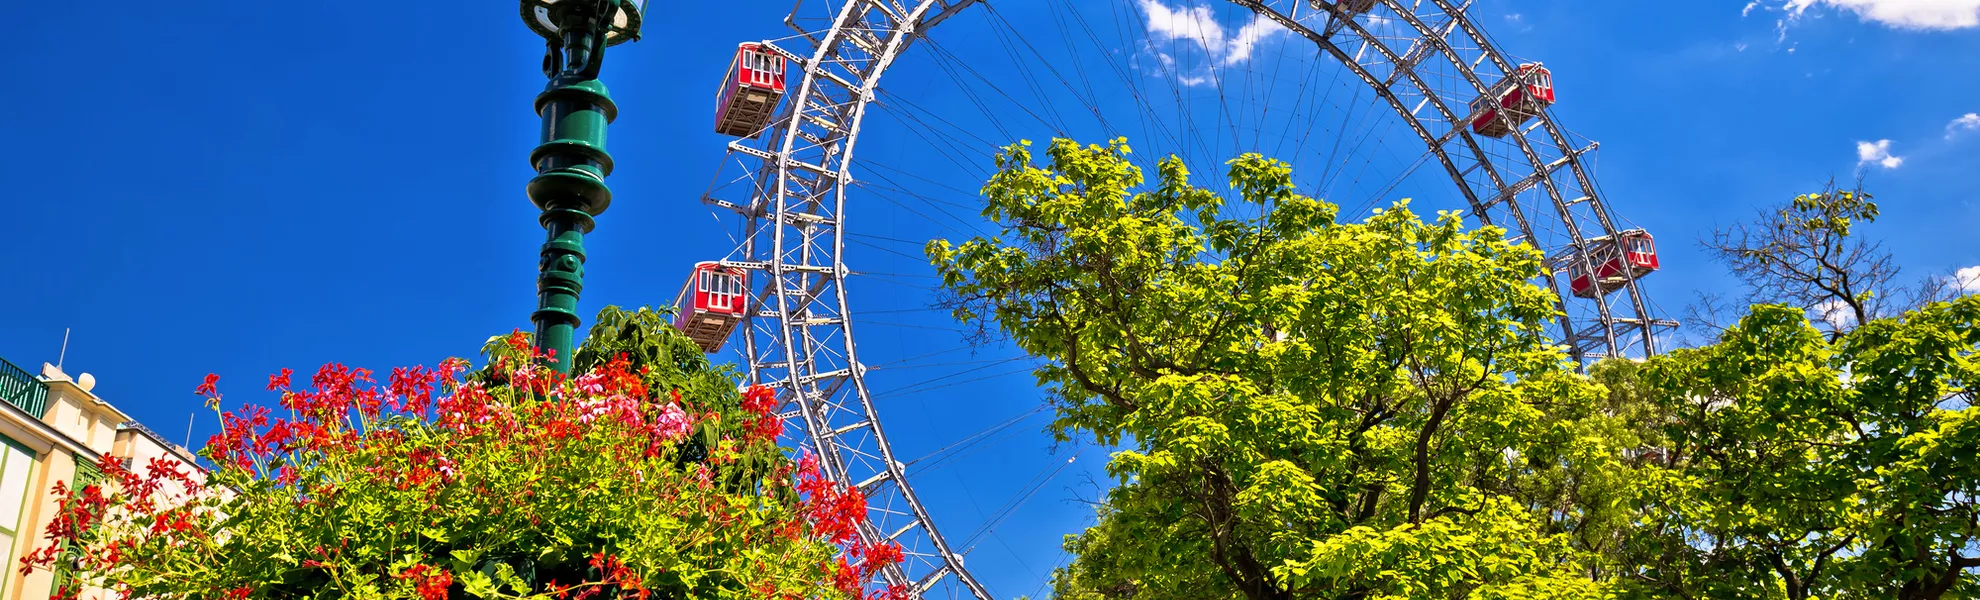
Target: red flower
column 280, row 381
column 429, row 586
column 209, row 389
column 759, row 400
column 844, row 577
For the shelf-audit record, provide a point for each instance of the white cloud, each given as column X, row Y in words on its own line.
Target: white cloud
column 1198, row 25
column 1967, row 122
column 1834, row 312
column 1194, row 23
column 1966, row 280
column 1749, row 8
column 1878, row 152
column 1249, row 36
column 1901, row 14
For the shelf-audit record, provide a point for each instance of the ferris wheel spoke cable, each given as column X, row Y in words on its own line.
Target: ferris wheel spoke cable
column 943, row 364
column 1091, row 104
column 1009, row 508
column 1369, row 160
column 964, row 65
column 907, row 326
column 1513, row 172
column 892, row 187
column 909, row 243
column 895, row 186
column 916, row 386
column 921, row 129
column 912, row 359
column 1194, row 135
column 923, row 214
column 882, row 193
column 957, row 457
column 1407, row 173
column 931, row 388
column 942, row 61
column 926, row 180
column 889, row 99
column 1025, row 75
column 1121, row 71
column 1079, row 66
column 886, row 250
column 975, row 438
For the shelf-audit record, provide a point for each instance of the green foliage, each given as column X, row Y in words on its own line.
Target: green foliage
column 1306, row 408
column 647, row 474
column 1806, row 467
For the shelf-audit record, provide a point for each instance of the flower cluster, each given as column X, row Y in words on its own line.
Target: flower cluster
column 511, row 481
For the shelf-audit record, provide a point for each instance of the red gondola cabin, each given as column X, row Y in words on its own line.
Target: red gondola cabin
column 711, row 304
column 1352, row 7
column 1629, row 255
column 1519, row 97
column 750, row 91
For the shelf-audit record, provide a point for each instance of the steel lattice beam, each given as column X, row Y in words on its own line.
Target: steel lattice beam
column 800, row 341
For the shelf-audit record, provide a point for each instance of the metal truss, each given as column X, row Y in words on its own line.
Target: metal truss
column 1429, row 60
column 799, row 341
column 1425, row 58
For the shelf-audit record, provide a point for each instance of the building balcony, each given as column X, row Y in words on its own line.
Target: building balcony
column 22, row 389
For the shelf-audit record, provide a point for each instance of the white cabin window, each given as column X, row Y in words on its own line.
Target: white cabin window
column 759, row 67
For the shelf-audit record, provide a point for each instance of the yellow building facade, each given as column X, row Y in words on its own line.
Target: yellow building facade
column 54, row 429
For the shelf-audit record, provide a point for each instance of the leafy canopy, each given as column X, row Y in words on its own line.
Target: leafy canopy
column 1305, row 407
column 1804, row 466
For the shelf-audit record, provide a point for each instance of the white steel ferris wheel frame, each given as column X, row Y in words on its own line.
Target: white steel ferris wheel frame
column 800, row 342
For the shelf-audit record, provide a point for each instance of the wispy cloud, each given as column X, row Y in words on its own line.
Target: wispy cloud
column 1198, row 26
column 1877, row 152
column 1966, row 122
column 1936, row 15
column 1518, row 21
column 1248, row 37
column 1191, row 23
column 1966, row 280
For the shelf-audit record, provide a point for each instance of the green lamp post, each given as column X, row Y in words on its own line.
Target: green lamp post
column 571, row 163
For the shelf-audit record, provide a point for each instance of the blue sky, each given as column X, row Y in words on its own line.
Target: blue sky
column 236, row 187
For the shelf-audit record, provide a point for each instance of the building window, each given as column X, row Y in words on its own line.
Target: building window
column 16, row 465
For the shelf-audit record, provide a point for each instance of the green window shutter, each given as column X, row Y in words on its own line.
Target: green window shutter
column 87, row 474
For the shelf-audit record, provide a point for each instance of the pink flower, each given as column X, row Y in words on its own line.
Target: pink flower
column 591, row 383
column 671, row 424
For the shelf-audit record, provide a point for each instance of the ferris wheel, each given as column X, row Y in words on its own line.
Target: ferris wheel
column 1350, row 77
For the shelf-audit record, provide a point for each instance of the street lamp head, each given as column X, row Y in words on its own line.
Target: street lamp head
column 544, row 17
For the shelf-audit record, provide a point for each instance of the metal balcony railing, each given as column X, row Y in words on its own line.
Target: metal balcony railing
column 22, row 389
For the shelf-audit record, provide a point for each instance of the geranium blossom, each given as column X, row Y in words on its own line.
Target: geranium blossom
column 403, row 483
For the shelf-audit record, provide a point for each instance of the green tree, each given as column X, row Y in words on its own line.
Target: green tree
column 1304, row 407
column 1806, row 466
column 1810, row 253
